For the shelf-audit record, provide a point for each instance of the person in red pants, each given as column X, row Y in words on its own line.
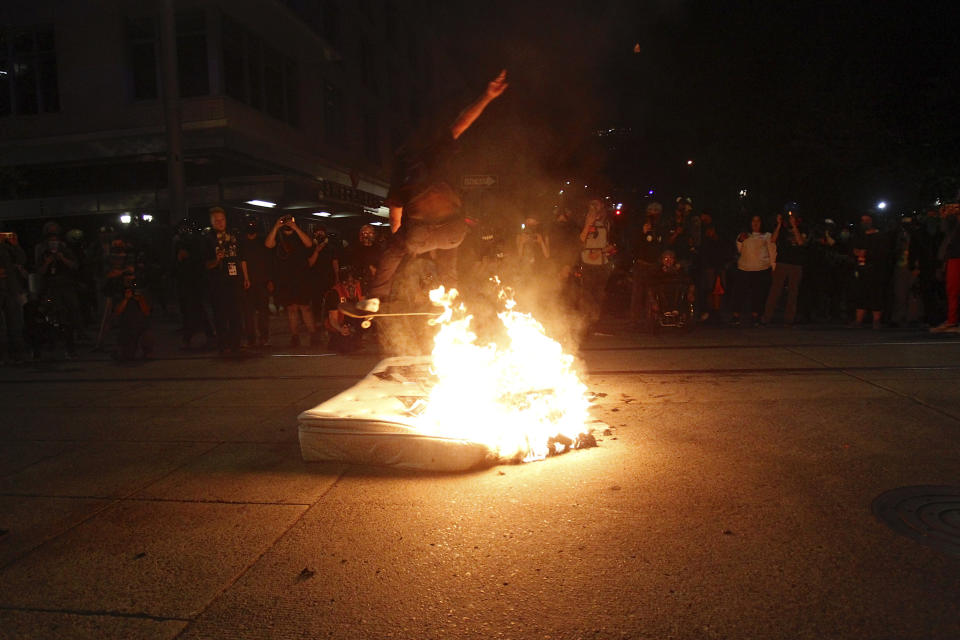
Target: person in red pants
column 951, row 266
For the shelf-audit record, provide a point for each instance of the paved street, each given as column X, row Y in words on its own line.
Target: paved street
column 167, row 499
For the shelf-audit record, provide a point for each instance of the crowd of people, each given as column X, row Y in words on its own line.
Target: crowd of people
column 228, row 284
column 666, row 268
column 780, row 269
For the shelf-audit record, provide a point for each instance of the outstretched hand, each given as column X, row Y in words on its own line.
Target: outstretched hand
column 498, row 85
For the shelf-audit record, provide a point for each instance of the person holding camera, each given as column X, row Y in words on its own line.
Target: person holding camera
column 12, row 297
column 188, row 272
column 596, row 248
column 344, row 335
column 292, row 248
column 757, row 260
column 58, row 268
column 791, row 257
column 225, row 279
column 533, row 253
column 133, row 328
column 324, row 263
column 257, row 266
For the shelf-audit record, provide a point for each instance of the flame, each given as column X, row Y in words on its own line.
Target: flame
column 522, row 400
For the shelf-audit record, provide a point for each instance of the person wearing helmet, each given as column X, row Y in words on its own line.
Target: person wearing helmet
column 343, row 333
column 596, row 248
column 646, row 256
column 324, row 263
column 188, row 277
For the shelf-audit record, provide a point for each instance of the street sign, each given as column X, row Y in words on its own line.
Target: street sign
column 478, row 182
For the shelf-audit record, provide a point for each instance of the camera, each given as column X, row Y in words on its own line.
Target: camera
column 287, row 219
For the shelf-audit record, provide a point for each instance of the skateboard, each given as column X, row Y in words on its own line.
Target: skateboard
column 349, row 309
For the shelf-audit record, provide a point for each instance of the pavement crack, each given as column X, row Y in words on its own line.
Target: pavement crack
column 267, row 548
column 95, row 612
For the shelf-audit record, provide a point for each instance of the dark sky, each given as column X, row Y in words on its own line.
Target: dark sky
column 833, row 104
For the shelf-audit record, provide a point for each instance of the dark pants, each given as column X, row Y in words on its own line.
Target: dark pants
column 12, row 312
column 789, row 275
column 133, row 335
column 225, row 298
column 414, row 238
column 869, row 287
column 193, row 314
column 256, row 312
column 638, row 295
column 751, row 291
column 706, row 281
column 594, row 291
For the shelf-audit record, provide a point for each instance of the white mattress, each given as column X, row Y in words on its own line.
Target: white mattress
column 374, row 422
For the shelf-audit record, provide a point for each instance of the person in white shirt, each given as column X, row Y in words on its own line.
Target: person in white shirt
column 757, row 258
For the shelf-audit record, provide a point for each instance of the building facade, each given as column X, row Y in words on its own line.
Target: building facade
column 298, row 103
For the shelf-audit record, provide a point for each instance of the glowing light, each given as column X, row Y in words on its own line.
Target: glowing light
column 689, row 163
column 650, row 193
column 520, row 398
column 147, row 217
column 126, row 218
column 881, row 205
column 262, row 203
column 743, row 193
column 322, row 214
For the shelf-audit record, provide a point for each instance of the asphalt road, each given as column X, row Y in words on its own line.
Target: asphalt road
column 732, row 499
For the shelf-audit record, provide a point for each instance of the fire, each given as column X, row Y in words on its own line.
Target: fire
column 522, row 400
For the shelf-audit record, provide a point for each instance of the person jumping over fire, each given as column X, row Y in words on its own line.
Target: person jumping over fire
column 425, row 210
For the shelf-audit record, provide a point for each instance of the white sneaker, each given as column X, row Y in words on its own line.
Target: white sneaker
column 944, row 328
column 370, row 305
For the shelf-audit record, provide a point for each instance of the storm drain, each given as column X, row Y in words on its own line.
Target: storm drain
column 928, row 514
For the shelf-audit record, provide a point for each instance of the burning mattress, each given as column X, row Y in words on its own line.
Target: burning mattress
column 376, row 422
column 386, row 419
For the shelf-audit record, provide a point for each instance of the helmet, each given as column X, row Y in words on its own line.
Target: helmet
column 52, row 228
column 348, row 271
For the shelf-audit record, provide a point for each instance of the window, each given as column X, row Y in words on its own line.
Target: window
column 192, row 68
column 28, row 71
column 258, row 75
column 332, row 114
column 143, row 42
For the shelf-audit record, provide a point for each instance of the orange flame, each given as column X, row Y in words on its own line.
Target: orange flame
column 518, row 400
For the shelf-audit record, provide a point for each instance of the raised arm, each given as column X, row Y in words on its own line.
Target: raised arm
column 467, row 117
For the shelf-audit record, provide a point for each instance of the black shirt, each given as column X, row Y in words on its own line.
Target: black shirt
column 228, row 271
column 422, row 184
column 259, row 259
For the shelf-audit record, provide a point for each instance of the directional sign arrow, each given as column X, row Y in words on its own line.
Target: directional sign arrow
column 478, row 181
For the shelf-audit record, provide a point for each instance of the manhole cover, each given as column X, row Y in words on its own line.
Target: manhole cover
column 928, row 514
